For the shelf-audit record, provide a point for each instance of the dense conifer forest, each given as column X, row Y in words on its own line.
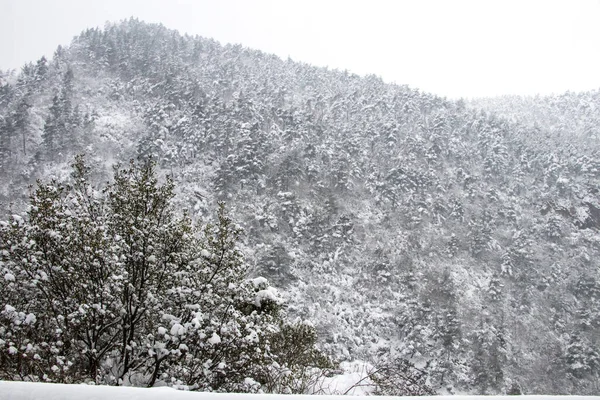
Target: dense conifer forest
column 449, row 243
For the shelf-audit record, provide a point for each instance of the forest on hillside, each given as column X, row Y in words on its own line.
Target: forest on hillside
column 461, row 237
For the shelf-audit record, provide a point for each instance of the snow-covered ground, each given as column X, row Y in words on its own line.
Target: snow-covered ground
column 50, row 391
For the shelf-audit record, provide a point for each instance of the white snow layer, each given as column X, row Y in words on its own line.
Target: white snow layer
column 51, row 391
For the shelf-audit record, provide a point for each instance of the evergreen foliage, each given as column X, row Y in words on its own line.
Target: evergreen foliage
column 111, row 287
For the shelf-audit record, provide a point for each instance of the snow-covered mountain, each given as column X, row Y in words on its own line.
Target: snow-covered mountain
column 463, row 237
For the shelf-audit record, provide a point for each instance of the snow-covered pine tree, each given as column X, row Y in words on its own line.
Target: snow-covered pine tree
column 112, row 287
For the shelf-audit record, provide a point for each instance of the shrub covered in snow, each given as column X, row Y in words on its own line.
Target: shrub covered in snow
column 112, row 287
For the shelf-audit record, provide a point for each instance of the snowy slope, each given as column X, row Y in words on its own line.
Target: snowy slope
column 399, row 223
column 48, row 391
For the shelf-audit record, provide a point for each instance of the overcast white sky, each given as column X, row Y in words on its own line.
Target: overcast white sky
column 452, row 48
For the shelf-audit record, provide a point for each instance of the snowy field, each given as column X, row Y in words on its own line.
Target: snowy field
column 49, row 391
